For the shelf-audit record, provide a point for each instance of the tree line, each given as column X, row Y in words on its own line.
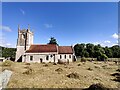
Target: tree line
column 81, row 50
column 8, row 52
column 97, row 51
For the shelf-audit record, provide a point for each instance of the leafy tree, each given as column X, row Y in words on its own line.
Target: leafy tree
column 79, row 49
column 8, row 52
column 86, row 54
column 102, row 57
column 97, row 51
column 90, row 49
column 108, row 52
column 115, row 51
column 52, row 41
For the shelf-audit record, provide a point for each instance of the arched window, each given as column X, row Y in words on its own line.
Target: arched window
column 47, row 57
column 69, row 56
column 60, row 57
column 65, row 56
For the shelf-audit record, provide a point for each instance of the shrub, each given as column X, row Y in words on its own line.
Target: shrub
column 73, row 75
column 7, row 63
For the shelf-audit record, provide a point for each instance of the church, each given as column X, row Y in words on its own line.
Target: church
column 29, row 52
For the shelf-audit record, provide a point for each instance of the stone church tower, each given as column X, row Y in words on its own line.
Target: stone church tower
column 25, row 39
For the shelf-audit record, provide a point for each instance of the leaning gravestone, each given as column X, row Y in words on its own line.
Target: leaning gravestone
column 4, row 78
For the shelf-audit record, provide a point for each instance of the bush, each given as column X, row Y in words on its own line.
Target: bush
column 7, row 63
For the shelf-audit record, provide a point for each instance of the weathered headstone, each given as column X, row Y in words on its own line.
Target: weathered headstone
column 4, row 78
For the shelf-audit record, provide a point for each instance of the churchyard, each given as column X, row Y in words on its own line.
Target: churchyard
column 73, row 75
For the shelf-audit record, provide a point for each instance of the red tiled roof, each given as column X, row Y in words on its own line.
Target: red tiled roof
column 65, row 50
column 42, row 48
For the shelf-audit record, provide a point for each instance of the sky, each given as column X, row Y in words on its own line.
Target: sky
column 68, row 22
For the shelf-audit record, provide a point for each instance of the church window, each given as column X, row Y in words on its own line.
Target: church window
column 31, row 58
column 47, row 57
column 65, row 56
column 51, row 56
column 69, row 56
column 60, row 57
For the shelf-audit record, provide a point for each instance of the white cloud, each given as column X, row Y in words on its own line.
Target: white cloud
column 117, row 41
column 96, row 43
column 107, row 41
column 22, row 11
column 5, row 28
column 4, row 43
column 48, row 25
column 115, row 36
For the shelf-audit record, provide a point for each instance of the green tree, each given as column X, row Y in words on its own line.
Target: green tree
column 102, row 57
column 90, row 49
column 79, row 50
column 108, row 52
column 52, row 41
column 98, row 51
column 115, row 51
column 9, row 52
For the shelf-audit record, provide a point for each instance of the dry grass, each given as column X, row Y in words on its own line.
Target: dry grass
column 7, row 63
column 37, row 75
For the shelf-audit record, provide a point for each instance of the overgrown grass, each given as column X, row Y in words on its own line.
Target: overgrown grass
column 7, row 63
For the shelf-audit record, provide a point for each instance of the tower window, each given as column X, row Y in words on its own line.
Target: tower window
column 31, row 58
